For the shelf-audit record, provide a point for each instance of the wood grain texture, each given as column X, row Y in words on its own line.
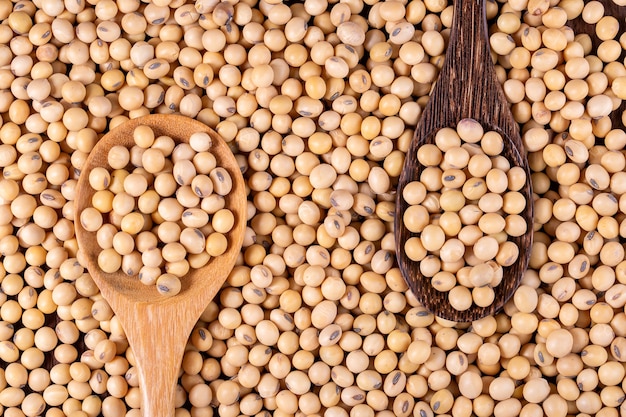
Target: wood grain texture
column 158, row 328
column 467, row 87
column 579, row 26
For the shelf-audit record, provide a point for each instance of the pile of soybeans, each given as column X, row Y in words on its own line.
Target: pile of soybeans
column 318, row 100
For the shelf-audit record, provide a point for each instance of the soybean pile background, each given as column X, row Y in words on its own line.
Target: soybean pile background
column 318, row 100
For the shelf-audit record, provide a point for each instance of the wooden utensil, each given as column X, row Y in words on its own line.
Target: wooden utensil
column 158, row 328
column 467, row 87
column 579, row 26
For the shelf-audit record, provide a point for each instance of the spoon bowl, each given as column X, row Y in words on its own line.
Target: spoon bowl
column 158, row 327
column 467, row 88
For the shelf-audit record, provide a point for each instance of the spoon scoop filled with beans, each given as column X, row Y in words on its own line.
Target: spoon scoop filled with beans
column 464, row 209
column 161, row 213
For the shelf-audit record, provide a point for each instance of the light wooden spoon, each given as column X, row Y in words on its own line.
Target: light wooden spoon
column 467, row 87
column 158, row 328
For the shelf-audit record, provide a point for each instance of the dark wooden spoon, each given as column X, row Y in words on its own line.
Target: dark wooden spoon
column 467, row 87
column 579, row 26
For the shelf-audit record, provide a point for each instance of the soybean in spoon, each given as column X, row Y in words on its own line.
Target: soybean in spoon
column 158, row 327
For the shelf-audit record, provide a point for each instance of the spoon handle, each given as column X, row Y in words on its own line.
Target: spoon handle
column 158, row 347
column 468, row 85
column 467, row 70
